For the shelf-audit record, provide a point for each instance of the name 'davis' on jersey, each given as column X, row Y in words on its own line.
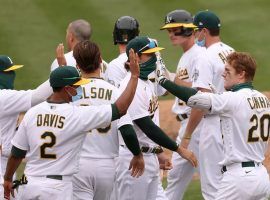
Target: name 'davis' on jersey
column 258, row 102
column 50, row 120
column 99, row 93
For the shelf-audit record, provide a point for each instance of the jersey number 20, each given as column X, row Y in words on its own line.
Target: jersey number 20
column 45, row 145
column 260, row 125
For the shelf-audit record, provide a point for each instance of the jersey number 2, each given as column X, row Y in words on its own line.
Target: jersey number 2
column 261, row 125
column 45, row 145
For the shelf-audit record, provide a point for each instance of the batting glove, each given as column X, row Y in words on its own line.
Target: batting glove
column 161, row 71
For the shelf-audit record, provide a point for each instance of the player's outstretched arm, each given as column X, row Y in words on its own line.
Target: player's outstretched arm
column 14, row 161
column 123, row 102
column 158, row 136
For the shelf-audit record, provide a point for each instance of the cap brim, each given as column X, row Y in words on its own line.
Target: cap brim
column 83, row 81
column 153, row 50
column 14, row 67
column 176, row 25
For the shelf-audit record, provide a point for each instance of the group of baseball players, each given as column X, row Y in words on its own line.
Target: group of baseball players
column 91, row 131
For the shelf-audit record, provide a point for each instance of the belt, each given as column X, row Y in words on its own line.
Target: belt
column 56, row 177
column 181, row 117
column 155, row 150
column 243, row 164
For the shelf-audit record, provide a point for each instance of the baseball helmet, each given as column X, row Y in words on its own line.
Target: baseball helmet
column 125, row 29
column 180, row 19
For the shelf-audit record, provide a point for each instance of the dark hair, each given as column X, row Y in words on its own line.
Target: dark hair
column 57, row 89
column 242, row 61
column 87, row 56
column 214, row 32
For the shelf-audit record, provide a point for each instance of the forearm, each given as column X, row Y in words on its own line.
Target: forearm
column 155, row 133
column 130, row 139
column 123, row 102
column 12, row 165
column 182, row 92
column 195, row 118
column 180, row 82
column 41, row 93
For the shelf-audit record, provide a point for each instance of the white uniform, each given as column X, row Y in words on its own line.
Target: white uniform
column 116, row 71
column 182, row 172
column 11, row 104
column 52, row 134
column 114, row 74
column 145, row 187
column 97, row 166
column 72, row 62
column 246, row 133
column 209, row 71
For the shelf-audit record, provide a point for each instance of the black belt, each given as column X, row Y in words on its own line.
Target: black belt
column 56, row 177
column 244, row 164
column 181, row 117
column 155, row 150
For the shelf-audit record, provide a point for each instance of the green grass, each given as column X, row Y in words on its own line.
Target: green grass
column 31, row 29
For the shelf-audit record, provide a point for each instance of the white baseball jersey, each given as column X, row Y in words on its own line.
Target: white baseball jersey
column 246, row 131
column 72, row 62
column 212, row 66
column 185, row 71
column 52, row 134
column 12, row 102
column 145, row 103
column 102, row 142
column 116, row 71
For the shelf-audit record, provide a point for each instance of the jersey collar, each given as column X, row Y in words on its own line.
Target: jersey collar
column 241, row 86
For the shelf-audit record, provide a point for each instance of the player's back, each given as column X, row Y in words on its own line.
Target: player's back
column 53, row 135
column 217, row 54
column 246, row 131
column 102, row 142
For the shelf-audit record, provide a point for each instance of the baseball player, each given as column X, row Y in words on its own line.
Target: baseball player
column 179, row 24
column 96, row 175
column 125, row 29
column 77, row 31
column 13, row 102
column 208, row 72
column 244, row 114
column 7, row 78
column 144, row 113
column 51, row 134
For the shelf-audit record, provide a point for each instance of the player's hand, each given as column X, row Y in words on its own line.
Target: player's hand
column 137, row 166
column 164, row 161
column 8, row 189
column 60, row 56
column 188, row 155
column 134, row 64
column 161, row 71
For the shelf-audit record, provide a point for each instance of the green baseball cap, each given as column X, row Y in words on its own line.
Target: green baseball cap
column 6, row 64
column 143, row 45
column 206, row 19
column 66, row 75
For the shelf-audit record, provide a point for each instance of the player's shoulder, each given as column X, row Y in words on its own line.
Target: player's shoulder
column 119, row 61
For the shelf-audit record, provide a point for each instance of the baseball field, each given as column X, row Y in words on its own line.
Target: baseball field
column 31, row 30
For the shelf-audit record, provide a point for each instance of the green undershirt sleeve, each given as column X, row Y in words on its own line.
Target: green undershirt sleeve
column 181, row 92
column 130, row 139
column 155, row 133
column 18, row 153
column 115, row 112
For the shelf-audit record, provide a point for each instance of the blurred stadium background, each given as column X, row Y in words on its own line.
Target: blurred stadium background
column 31, row 29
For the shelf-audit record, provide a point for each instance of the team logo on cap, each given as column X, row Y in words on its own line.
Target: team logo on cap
column 168, row 19
column 10, row 60
column 200, row 23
